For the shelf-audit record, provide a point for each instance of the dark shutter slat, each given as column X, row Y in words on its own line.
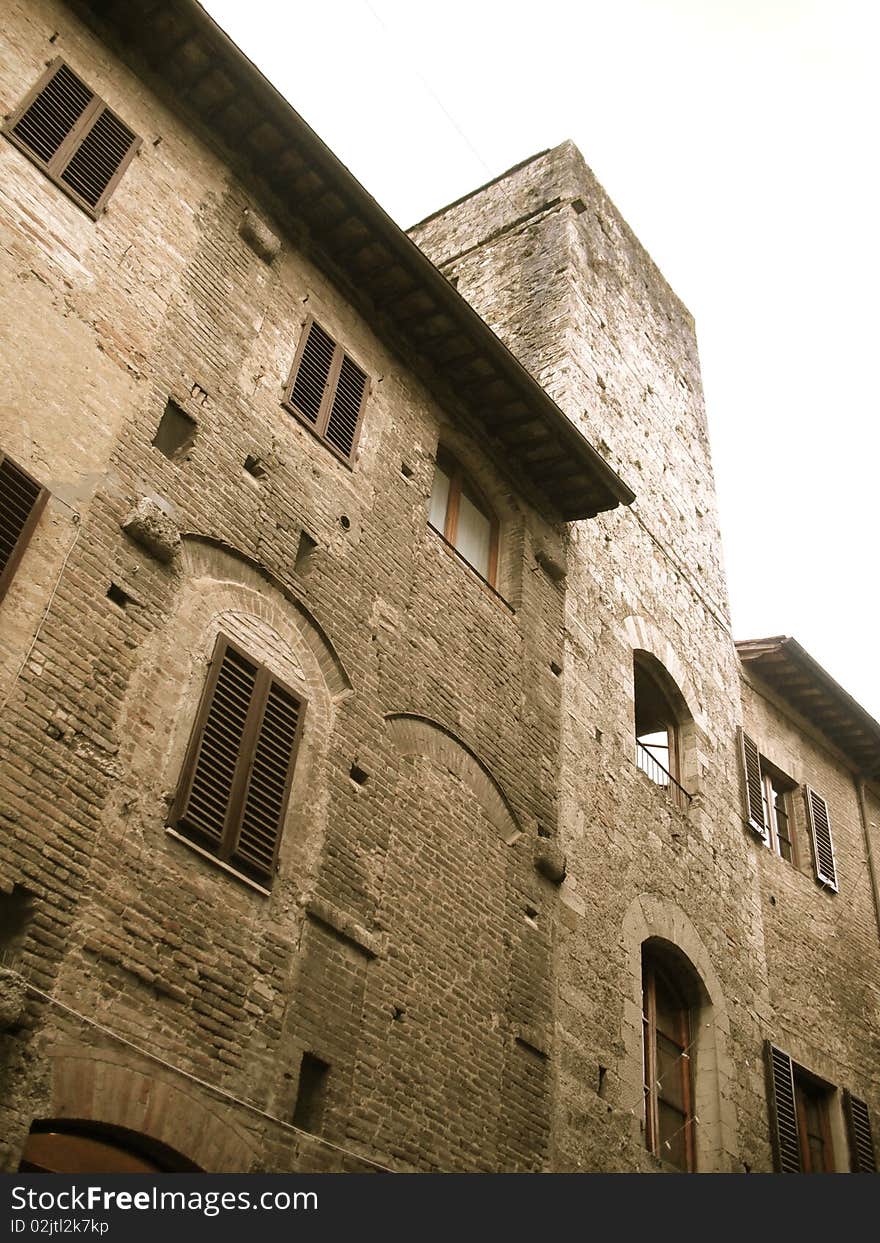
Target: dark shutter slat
column 783, row 1112
column 21, row 503
column 751, row 765
column 861, row 1141
column 307, row 390
column 97, row 158
column 209, row 800
column 345, row 410
column 266, row 796
column 51, row 116
column 820, row 834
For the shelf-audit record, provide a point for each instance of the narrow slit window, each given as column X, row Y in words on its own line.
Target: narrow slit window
column 73, row 136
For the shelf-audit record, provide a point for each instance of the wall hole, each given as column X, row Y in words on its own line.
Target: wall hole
column 176, row 431
column 603, row 1074
column 358, row 776
column 345, row 522
column 16, row 913
column 304, row 550
column 311, row 1095
column 119, row 597
column 406, row 470
column 555, row 668
column 255, row 466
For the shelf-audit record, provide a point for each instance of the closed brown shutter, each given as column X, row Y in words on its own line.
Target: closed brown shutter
column 327, row 390
column 820, row 836
column 236, row 777
column 861, row 1141
column 312, row 372
column 269, row 783
column 754, row 800
column 783, row 1113
column 73, row 136
column 345, row 412
column 21, row 502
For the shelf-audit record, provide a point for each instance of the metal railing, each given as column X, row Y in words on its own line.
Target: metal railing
column 655, row 771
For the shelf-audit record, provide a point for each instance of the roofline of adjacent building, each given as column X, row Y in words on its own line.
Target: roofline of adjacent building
column 783, row 664
column 569, row 471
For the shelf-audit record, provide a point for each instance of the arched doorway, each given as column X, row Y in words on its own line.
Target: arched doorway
column 80, row 1147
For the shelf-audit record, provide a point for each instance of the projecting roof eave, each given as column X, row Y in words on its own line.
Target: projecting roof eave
column 783, row 665
column 195, row 63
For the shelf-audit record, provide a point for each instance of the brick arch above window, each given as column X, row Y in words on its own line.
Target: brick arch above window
column 102, row 1086
column 418, row 735
column 205, row 557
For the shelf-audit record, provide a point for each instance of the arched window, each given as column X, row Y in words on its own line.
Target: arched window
column 658, row 738
column 462, row 516
column 667, row 1026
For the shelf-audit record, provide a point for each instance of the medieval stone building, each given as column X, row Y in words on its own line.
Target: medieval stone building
column 381, row 786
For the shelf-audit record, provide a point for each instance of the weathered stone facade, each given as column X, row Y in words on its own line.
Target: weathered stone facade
column 472, row 860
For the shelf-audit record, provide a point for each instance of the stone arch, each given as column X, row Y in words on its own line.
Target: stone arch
column 96, row 1086
column 418, row 735
column 663, row 927
column 643, row 635
column 656, row 657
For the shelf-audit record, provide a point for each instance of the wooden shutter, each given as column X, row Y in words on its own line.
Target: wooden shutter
column 343, row 420
column 73, row 136
column 269, row 782
column 820, row 836
column 861, row 1141
column 783, row 1112
column 236, row 778
column 22, row 500
column 311, row 373
column 752, row 785
column 327, row 390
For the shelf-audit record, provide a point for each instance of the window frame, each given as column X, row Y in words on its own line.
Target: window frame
column 28, row 526
column 651, row 969
column 460, row 482
column 644, row 672
column 72, row 142
column 318, row 428
column 770, row 775
column 224, row 852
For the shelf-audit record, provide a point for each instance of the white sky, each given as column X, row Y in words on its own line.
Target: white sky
column 739, row 140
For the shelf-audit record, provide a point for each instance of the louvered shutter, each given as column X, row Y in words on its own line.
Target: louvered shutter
column 98, row 159
column 783, row 1112
column 21, row 502
column 268, row 785
column 345, row 411
column 212, row 769
column 820, row 836
column 754, row 800
column 327, row 390
column 235, row 784
column 861, row 1141
column 73, row 136
column 312, row 371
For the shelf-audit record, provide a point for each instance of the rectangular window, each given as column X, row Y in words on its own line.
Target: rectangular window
column 235, row 783
column 800, row 1118
column 769, row 812
column 71, row 134
column 327, row 391
column 22, row 500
